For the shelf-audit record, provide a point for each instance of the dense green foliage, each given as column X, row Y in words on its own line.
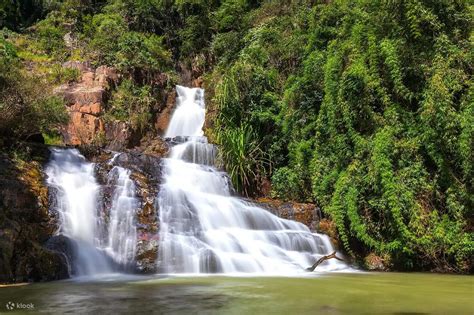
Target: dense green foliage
column 131, row 103
column 364, row 107
column 25, row 108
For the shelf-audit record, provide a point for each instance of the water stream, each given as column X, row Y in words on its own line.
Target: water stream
column 104, row 241
column 205, row 229
column 122, row 231
column 77, row 203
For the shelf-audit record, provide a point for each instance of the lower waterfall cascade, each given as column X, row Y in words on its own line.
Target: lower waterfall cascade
column 204, row 228
column 104, row 241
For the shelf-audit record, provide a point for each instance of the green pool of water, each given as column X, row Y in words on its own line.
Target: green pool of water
column 353, row 293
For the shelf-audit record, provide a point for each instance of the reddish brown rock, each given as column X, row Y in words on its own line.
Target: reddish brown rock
column 198, row 83
column 152, row 145
column 106, row 76
column 92, row 108
column 85, row 103
column 375, row 262
column 83, row 128
column 163, row 117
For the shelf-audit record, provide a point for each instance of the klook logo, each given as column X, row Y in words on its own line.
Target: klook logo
column 10, row 306
column 18, row 305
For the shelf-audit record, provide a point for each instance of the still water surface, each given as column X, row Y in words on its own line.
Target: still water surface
column 349, row 293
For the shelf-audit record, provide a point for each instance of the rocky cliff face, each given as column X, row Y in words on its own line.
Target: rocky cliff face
column 25, row 222
column 85, row 102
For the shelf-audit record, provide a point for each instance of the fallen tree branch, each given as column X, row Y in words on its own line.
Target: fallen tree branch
column 324, row 258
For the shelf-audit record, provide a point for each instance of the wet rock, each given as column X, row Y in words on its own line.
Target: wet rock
column 141, row 163
column 65, row 247
column 307, row 213
column 155, row 146
column 147, row 253
column 328, row 227
column 146, row 174
column 41, row 264
column 25, row 222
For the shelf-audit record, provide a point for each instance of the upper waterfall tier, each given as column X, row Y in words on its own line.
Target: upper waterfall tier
column 188, row 118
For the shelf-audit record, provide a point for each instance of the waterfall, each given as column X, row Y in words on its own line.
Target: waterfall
column 204, row 229
column 122, row 231
column 77, row 205
column 104, row 242
column 188, row 118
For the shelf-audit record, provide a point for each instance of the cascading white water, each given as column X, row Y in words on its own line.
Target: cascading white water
column 77, row 205
column 100, row 247
column 122, row 231
column 188, row 117
column 204, row 229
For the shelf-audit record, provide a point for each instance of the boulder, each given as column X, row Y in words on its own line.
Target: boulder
column 307, row 213
column 374, row 262
column 155, row 146
column 147, row 253
column 198, row 82
column 118, row 135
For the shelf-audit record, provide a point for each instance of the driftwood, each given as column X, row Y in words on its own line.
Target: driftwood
column 324, row 258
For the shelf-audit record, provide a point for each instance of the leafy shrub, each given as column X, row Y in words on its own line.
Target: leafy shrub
column 26, row 107
column 50, row 33
column 104, row 31
column 141, row 56
column 243, row 158
column 286, row 184
column 133, row 104
column 373, row 122
column 59, row 74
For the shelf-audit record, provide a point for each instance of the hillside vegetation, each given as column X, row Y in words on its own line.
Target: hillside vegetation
column 363, row 107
